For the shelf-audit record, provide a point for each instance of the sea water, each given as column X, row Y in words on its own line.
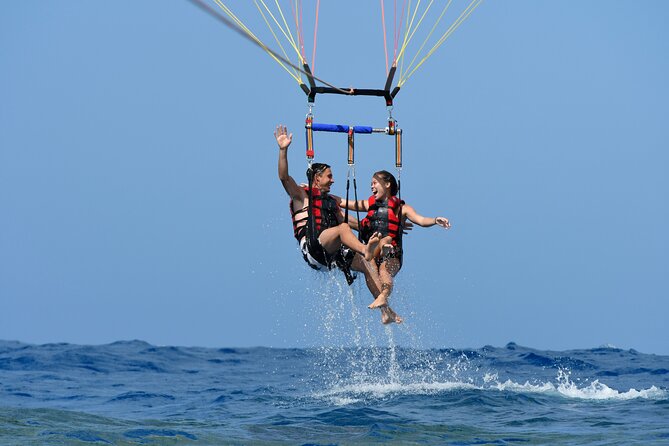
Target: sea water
column 366, row 390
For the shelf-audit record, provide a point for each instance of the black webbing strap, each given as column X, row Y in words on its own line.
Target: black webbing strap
column 348, row 183
column 386, row 93
column 357, row 209
column 343, row 262
column 400, row 230
column 312, row 238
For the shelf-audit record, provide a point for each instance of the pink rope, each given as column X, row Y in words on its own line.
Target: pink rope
column 313, row 54
column 298, row 29
column 302, row 32
column 398, row 31
column 385, row 43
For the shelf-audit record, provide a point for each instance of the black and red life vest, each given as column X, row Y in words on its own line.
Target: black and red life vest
column 383, row 216
column 325, row 211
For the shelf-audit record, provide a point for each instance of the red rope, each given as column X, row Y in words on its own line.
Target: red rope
column 302, row 32
column 398, row 31
column 313, row 54
column 298, row 28
column 385, row 43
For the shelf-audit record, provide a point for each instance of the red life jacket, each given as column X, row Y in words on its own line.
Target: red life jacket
column 325, row 210
column 383, row 217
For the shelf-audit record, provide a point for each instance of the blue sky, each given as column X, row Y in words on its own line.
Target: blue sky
column 139, row 196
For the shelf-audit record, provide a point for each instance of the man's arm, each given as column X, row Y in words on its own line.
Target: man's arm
column 283, row 139
column 425, row 222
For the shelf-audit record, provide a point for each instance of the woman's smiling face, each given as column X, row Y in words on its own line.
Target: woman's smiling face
column 380, row 189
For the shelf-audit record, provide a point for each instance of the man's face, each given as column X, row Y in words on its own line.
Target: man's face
column 323, row 181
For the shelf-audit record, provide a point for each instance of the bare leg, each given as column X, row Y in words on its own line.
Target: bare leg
column 371, row 274
column 382, row 299
column 385, row 246
column 372, row 243
column 388, row 315
column 387, row 271
column 332, row 238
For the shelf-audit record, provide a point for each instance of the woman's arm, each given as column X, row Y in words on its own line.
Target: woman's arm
column 425, row 222
column 362, row 205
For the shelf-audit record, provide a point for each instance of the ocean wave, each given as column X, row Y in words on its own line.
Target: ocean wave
column 140, row 396
column 565, row 387
column 594, row 391
column 347, row 394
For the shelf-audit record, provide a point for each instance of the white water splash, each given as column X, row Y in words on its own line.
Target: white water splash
column 564, row 386
column 375, row 368
column 353, row 393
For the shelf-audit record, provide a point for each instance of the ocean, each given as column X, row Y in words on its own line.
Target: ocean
column 134, row 393
column 360, row 383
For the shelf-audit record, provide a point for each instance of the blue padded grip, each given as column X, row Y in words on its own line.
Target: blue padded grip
column 338, row 128
column 329, row 128
column 362, row 129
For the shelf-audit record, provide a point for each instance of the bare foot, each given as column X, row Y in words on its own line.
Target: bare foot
column 371, row 245
column 380, row 301
column 387, row 249
column 389, row 316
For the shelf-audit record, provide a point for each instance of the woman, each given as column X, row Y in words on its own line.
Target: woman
column 387, row 214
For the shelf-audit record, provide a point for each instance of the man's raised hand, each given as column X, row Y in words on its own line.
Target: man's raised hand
column 283, row 138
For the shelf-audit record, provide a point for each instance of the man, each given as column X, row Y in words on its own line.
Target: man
column 319, row 226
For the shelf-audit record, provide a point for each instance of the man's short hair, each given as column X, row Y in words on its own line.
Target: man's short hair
column 315, row 169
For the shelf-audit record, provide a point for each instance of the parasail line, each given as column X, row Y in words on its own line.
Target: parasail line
column 242, row 29
column 313, row 53
column 230, row 24
column 420, row 21
column 383, row 28
column 434, row 27
column 465, row 14
column 286, row 32
column 298, row 29
column 276, row 38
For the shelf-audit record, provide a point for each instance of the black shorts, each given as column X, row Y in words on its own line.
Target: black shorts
column 314, row 255
column 318, row 259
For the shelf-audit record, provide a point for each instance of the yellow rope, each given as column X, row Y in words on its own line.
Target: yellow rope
column 296, row 17
column 248, row 32
column 286, row 32
column 292, row 39
column 276, row 38
column 409, row 26
column 465, row 14
column 434, row 27
column 416, row 28
column 409, row 33
column 230, row 14
column 400, row 57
